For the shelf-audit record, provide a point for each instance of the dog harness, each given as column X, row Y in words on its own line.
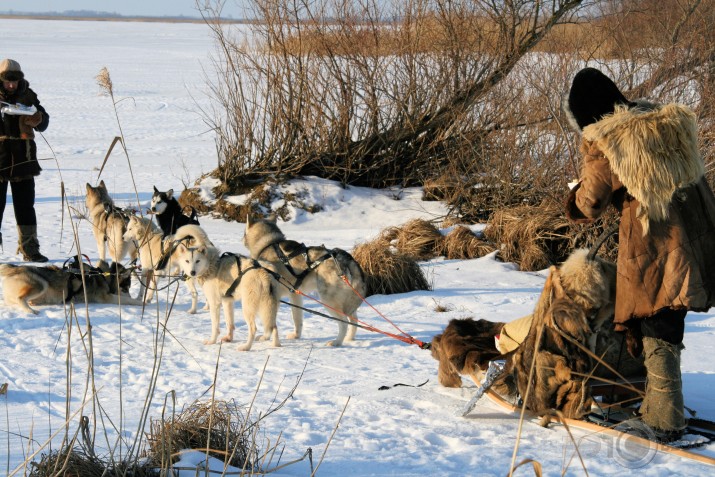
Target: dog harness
column 300, row 250
column 241, row 271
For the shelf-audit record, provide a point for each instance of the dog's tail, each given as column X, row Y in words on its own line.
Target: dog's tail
column 193, row 235
column 7, row 269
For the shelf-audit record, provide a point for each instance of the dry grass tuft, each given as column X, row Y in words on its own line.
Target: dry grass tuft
column 388, row 272
column 219, row 426
column 68, row 461
column 461, row 243
column 532, row 237
column 419, row 239
column 76, row 461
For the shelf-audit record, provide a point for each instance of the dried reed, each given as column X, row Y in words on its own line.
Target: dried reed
column 419, row 240
column 223, row 422
column 461, row 243
column 532, row 237
column 388, row 272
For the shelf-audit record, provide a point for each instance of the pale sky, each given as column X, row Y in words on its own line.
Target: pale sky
column 232, row 8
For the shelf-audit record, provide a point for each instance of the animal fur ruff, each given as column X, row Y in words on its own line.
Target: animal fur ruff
column 465, row 347
column 654, row 152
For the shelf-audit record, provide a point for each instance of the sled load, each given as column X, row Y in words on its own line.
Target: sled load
column 556, row 357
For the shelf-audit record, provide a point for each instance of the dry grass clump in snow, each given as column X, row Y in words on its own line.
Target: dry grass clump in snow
column 216, row 427
column 419, row 239
column 461, row 243
column 532, row 237
column 386, row 271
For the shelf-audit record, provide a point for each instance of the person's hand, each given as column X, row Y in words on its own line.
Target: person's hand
column 33, row 120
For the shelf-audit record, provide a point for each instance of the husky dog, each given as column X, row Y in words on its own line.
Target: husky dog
column 26, row 284
column 227, row 278
column 310, row 269
column 108, row 225
column 168, row 212
column 154, row 248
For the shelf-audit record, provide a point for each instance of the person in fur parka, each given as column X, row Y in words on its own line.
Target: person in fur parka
column 18, row 156
column 643, row 159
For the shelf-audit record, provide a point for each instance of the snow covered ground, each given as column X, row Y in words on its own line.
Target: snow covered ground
column 157, row 69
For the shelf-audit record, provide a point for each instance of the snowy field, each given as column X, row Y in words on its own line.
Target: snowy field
column 402, row 431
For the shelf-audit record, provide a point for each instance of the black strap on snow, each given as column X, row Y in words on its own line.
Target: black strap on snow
column 254, row 265
column 383, row 388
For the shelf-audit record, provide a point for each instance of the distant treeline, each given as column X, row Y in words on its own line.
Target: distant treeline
column 95, row 15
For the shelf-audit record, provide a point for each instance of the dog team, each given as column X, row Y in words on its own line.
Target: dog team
column 277, row 268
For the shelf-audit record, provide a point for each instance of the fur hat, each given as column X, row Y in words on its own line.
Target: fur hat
column 593, row 95
column 10, row 70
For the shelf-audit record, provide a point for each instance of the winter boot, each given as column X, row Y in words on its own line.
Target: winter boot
column 28, row 245
column 663, row 408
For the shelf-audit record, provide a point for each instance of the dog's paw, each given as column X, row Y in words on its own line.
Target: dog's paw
column 192, row 311
column 334, row 343
column 210, row 341
column 244, row 347
column 293, row 336
column 227, row 339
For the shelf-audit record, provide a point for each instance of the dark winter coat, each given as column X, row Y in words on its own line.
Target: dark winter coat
column 647, row 164
column 18, row 157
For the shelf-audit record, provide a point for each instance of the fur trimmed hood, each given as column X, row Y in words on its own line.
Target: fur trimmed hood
column 654, row 152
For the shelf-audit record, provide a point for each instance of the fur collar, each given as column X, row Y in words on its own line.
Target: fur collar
column 654, row 152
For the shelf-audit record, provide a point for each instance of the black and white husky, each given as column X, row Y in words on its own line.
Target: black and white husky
column 168, row 212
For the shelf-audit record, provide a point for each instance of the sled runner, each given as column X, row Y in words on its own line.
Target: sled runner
column 611, row 421
column 17, row 109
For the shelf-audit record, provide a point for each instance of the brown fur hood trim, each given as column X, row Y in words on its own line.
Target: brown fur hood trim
column 654, row 152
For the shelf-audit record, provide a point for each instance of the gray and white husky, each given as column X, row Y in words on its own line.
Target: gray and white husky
column 108, row 225
column 311, row 269
column 154, row 249
column 227, row 278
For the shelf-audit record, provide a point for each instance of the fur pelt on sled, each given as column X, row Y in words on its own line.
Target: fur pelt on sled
column 572, row 324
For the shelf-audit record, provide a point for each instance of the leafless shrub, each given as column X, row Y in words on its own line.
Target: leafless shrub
column 442, row 93
column 388, row 272
column 461, row 243
column 370, row 93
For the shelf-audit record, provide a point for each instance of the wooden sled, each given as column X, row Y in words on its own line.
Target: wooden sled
column 599, row 429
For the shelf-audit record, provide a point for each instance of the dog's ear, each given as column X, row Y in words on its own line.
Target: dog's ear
column 102, row 185
column 89, row 187
column 201, row 250
column 156, row 191
column 170, row 193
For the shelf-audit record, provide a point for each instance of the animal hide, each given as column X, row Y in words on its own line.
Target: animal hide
column 465, row 347
column 571, row 340
column 654, row 152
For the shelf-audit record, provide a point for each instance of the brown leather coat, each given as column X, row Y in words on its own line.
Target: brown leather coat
column 672, row 264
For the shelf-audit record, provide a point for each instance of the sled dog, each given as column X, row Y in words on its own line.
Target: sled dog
column 168, row 212
column 154, row 249
column 310, row 269
column 108, row 225
column 227, row 278
column 26, row 284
